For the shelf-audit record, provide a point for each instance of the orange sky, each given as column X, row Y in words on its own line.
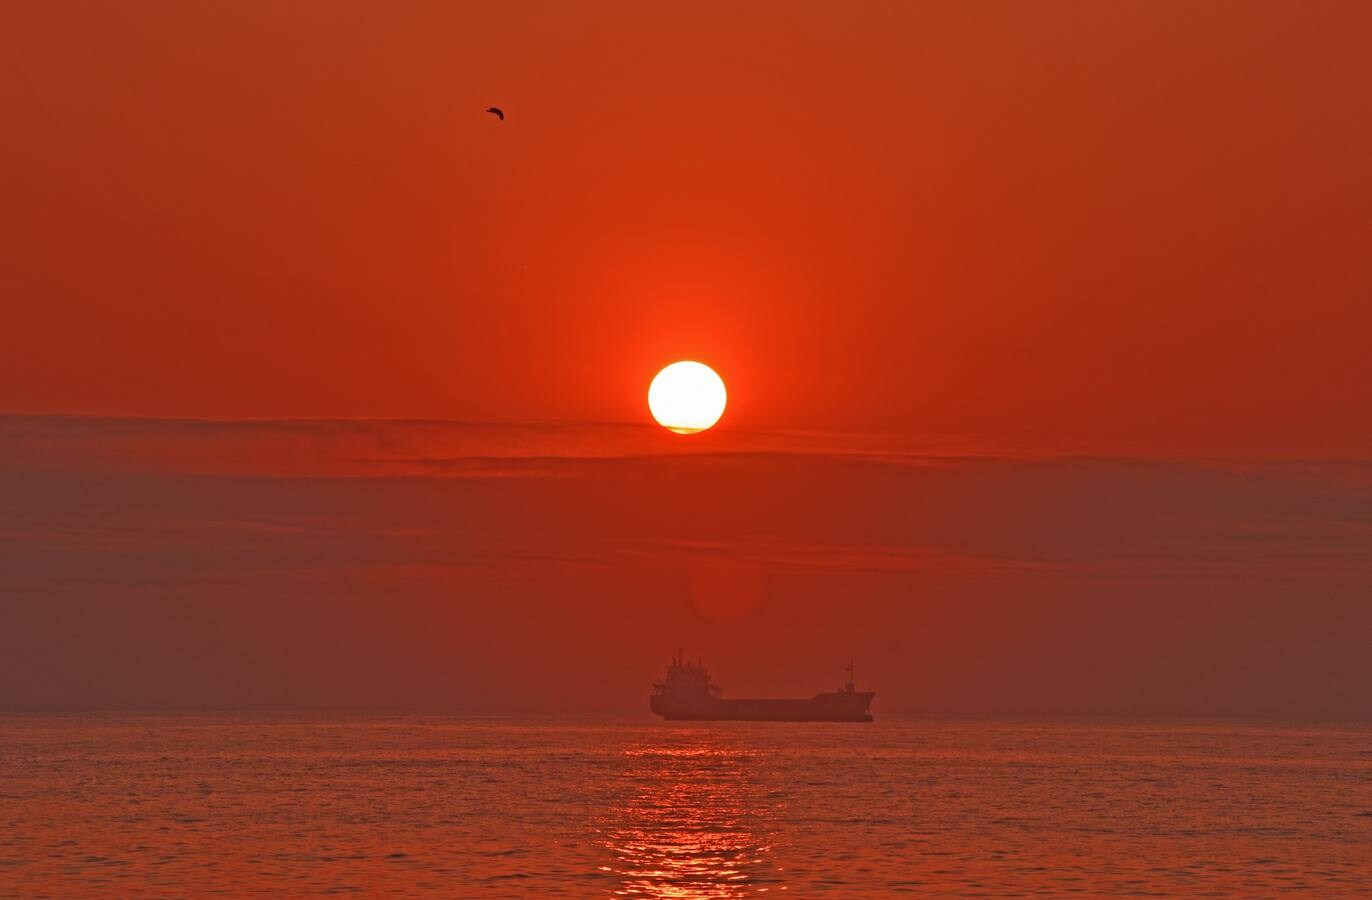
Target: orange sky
column 1045, row 327
column 1127, row 228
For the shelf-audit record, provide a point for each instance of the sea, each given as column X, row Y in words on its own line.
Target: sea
column 293, row 805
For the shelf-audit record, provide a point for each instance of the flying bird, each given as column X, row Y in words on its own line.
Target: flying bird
column 497, row 112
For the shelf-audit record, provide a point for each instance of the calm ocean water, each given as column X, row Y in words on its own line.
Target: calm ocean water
column 180, row 805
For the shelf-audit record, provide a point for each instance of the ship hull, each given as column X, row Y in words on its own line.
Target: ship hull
column 835, row 707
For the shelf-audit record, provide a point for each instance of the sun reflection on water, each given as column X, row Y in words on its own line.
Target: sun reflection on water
column 695, row 826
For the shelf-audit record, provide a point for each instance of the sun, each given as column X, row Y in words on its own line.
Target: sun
column 687, row 397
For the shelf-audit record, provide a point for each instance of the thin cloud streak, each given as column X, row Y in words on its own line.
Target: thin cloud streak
column 82, row 491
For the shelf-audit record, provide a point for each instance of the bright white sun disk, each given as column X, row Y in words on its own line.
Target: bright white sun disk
column 687, row 397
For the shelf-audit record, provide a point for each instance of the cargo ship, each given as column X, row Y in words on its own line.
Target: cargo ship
column 688, row 694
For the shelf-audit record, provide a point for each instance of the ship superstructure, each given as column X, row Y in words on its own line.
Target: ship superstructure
column 688, row 693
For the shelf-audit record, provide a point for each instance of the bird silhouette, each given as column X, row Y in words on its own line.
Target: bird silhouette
column 497, row 112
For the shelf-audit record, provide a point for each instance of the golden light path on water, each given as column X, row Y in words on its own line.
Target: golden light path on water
column 696, row 827
column 583, row 807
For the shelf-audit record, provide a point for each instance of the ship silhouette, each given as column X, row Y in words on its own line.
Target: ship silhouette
column 689, row 694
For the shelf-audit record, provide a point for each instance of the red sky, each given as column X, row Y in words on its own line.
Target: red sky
column 1126, row 227
column 1045, row 329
